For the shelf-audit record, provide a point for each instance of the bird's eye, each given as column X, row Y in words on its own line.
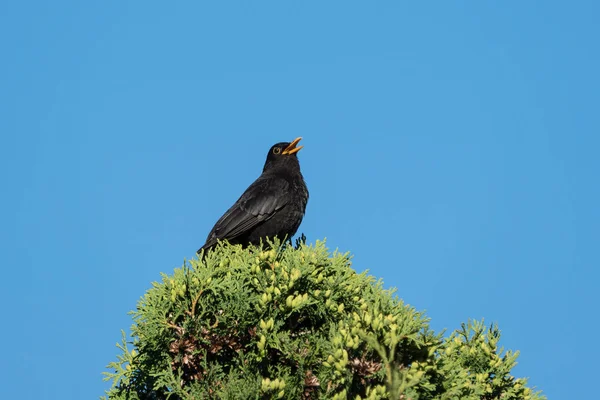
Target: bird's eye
column 276, row 150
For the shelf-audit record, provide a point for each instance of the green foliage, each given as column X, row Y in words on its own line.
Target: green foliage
column 298, row 324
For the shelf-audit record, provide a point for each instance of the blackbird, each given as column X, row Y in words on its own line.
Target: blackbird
column 272, row 206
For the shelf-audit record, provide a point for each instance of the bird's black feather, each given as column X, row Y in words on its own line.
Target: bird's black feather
column 273, row 205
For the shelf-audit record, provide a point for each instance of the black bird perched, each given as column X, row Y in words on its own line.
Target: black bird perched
column 273, row 205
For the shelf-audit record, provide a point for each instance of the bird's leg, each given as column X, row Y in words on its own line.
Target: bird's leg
column 300, row 241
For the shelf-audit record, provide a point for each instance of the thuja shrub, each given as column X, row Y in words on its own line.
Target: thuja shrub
column 280, row 322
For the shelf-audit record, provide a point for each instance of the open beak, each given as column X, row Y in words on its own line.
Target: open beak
column 291, row 149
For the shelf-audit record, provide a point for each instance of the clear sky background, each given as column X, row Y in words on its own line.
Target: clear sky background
column 452, row 147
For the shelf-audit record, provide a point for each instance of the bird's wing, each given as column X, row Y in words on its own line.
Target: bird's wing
column 258, row 203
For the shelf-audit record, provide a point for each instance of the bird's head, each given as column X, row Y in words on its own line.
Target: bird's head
column 283, row 153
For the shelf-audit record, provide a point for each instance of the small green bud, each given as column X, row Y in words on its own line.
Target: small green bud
column 262, row 342
column 295, row 274
column 266, row 384
column 338, row 366
column 376, row 323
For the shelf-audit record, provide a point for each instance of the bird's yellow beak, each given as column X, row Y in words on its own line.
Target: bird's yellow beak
column 291, row 149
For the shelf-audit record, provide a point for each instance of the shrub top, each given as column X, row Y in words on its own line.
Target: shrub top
column 298, row 323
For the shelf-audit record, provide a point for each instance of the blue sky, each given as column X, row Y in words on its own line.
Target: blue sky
column 451, row 147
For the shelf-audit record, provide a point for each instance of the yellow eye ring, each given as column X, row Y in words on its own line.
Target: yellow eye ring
column 276, row 150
